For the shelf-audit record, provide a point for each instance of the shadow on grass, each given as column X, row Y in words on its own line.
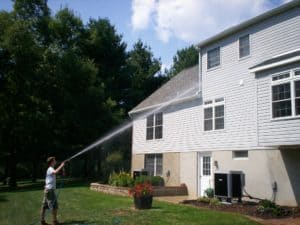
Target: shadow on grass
column 3, row 199
column 29, row 186
column 81, row 222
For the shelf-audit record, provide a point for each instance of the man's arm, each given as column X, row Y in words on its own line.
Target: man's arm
column 58, row 168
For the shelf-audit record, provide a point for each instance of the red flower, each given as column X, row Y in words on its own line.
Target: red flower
column 139, row 190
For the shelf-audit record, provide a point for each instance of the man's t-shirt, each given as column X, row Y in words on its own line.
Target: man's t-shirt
column 50, row 179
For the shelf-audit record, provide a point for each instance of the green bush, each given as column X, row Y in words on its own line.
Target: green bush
column 267, row 204
column 122, row 179
column 268, row 207
column 214, row 201
column 154, row 180
column 209, row 192
column 204, row 199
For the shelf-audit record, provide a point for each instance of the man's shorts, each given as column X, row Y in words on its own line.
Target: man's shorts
column 50, row 200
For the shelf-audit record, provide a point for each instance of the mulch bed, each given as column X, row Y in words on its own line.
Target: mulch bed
column 247, row 208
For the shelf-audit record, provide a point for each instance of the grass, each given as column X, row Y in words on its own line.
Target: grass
column 81, row 206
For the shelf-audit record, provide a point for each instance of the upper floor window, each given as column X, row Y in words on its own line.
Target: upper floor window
column 214, row 114
column 244, row 46
column 154, row 128
column 154, row 164
column 213, row 58
column 286, row 94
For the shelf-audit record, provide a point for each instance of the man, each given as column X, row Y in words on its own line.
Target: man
column 50, row 200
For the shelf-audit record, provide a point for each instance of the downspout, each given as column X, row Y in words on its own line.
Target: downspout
column 200, row 92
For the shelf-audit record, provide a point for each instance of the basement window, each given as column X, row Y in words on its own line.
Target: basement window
column 240, row 155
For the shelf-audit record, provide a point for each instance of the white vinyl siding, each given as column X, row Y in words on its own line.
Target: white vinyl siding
column 248, row 110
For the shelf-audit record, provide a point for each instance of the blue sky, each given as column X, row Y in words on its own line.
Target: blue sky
column 164, row 25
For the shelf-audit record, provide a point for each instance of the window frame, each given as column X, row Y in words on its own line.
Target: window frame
column 291, row 79
column 155, row 126
column 213, row 104
column 239, row 46
column 155, row 164
column 207, row 58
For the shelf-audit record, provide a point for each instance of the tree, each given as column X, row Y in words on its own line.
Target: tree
column 144, row 75
column 183, row 59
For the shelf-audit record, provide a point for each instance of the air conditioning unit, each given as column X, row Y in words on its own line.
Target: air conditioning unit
column 228, row 185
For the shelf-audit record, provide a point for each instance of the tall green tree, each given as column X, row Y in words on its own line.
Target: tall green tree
column 183, row 59
column 144, row 74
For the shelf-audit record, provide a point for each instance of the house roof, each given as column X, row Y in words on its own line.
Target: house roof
column 248, row 23
column 280, row 60
column 184, row 85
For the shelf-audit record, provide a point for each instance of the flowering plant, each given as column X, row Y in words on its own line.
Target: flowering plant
column 141, row 190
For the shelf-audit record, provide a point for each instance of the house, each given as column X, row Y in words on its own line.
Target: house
column 237, row 110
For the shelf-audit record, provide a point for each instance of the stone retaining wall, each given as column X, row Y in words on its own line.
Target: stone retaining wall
column 123, row 191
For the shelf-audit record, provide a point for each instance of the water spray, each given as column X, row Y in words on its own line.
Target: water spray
column 129, row 124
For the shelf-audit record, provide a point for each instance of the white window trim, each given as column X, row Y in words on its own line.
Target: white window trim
column 291, row 80
column 155, row 164
column 154, row 126
column 250, row 47
column 213, row 105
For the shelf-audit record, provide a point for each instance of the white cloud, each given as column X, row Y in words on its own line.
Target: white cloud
column 142, row 10
column 193, row 20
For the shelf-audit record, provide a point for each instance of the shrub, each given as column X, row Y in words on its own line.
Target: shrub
column 209, row 192
column 268, row 207
column 214, row 201
column 153, row 180
column 267, row 204
column 122, row 179
column 204, row 199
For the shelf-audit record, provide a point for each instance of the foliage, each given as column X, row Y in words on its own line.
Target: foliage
column 141, row 190
column 183, row 59
column 121, row 179
column 269, row 207
column 209, row 192
column 214, row 202
column 210, row 201
column 153, row 180
column 204, row 199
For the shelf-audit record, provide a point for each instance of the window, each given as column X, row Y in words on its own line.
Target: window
column 154, row 128
column 206, row 166
column 213, row 58
column 286, row 94
column 153, row 164
column 244, row 46
column 240, row 154
column 214, row 115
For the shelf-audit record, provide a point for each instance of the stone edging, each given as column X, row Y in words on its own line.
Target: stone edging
column 123, row 191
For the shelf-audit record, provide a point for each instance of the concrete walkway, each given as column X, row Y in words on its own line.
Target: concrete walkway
column 171, row 199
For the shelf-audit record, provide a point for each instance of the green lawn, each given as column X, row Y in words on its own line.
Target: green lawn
column 80, row 206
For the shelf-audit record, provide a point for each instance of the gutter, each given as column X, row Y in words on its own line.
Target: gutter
column 171, row 102
column 276, row 64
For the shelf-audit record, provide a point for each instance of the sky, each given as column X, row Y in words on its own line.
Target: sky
column 166, row 26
